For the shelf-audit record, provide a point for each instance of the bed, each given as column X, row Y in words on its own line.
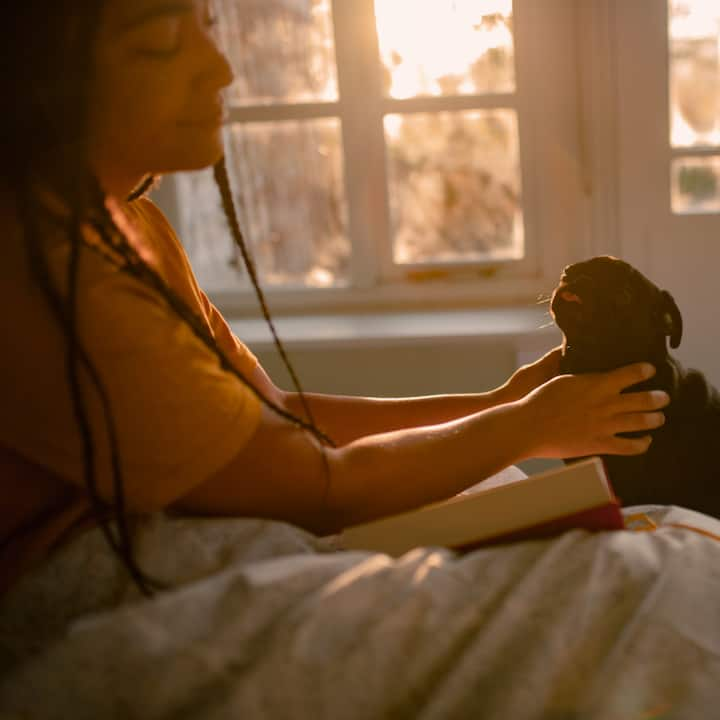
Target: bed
column 267, row 621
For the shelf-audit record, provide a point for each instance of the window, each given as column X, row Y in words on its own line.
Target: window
column 667, row 146
column 375, row 145
column 694, row 41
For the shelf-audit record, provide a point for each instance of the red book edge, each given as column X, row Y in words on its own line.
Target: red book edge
column 595, row 519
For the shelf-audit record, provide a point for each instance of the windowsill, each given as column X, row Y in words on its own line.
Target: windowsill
column 528, row 329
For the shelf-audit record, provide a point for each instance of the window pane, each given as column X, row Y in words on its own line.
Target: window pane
column 291, row 205
column 696, row 185
column 455, row 186
column 694, row 72
column 437, row 47
column 282, row 51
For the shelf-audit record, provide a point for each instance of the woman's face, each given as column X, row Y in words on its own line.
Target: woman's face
column 156, row 105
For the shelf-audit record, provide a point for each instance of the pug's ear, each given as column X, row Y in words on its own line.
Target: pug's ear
column 671, row 318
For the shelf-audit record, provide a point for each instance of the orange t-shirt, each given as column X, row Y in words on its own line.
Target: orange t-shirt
column 178, row 416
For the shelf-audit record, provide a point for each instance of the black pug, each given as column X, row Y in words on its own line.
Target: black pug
column 612, row 315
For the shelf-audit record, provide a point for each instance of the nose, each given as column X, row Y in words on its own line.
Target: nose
column 213, row 66
column 222, row 72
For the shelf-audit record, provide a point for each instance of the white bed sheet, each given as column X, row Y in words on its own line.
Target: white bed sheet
column 266, row 621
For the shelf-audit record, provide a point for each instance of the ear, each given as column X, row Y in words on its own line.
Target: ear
column 671, row 318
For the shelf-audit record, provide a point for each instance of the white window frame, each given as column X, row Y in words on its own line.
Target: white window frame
column 681, row 253
column 563, row 66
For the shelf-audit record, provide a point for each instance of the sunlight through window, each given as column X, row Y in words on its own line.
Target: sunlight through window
column 436, row 47
column 694, row 27
column 694, row 42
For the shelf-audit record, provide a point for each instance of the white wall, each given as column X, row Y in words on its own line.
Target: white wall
column 397, row 370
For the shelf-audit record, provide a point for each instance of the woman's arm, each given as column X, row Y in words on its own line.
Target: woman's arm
column 348, row 418
column 283, row 472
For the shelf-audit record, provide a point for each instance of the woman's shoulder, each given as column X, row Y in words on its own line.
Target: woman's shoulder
column 147, row 212
column 165, row 248
column 150, row 222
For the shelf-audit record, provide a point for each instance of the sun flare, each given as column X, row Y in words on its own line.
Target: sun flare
column 422, row 42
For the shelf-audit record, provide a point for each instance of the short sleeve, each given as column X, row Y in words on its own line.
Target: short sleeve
column 173, row 263
column 177, row 416
column 180, row 416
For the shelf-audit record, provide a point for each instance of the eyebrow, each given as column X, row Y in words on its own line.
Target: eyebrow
column 156, row 11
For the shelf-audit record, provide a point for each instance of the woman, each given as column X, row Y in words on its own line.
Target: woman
column 125, row 394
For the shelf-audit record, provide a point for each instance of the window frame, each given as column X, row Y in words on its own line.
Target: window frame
column 562, row 216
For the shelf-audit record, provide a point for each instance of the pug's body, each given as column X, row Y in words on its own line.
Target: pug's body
column 612, row 315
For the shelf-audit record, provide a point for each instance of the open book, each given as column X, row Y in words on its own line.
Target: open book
column 573, row 496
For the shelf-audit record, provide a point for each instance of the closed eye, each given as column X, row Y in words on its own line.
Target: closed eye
column 161, row 37
column 158, row 32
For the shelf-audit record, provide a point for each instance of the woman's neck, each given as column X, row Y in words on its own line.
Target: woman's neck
column 119, row 185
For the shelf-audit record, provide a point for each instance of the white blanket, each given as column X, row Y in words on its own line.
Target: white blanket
column 266, row 621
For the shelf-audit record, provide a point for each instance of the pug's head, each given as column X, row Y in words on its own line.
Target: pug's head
column 611, row 315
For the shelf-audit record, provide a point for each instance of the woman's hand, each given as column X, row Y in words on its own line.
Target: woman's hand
column 528, row 377
column 577, row 415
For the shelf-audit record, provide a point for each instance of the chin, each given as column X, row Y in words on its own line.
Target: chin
column 188, row 157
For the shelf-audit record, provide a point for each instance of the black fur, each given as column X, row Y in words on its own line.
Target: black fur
column 612, row 315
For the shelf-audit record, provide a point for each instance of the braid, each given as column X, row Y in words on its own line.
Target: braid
column 65, row 311
column 222, row 180
column 51, row 113
column 130, row 261
column 116, row 248
column 147, row 184
column 125, row 545
column 62, row 164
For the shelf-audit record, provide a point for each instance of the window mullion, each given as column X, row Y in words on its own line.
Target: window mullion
column 358, row 70
column 278, row 112
column 554, row 204
column 449, row 103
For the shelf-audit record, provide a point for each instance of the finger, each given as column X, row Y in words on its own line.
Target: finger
column 643, row 401
column 629, row 375
column 628, row 446
column 635, row 422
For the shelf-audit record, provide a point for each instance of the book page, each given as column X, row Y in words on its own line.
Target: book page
column 504, row 477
